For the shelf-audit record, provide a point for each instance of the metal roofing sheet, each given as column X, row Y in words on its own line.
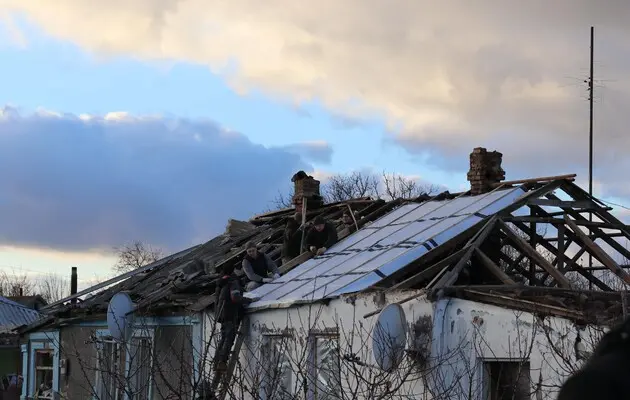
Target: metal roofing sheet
column 382, row 248
column 14, row 314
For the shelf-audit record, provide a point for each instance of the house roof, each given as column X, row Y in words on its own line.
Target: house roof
column 186, row 280
column 382, row 248
column 13, row 315
column 487, row 248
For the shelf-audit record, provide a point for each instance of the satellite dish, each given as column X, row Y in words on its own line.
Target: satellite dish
column 389, row 337
column 119, row 319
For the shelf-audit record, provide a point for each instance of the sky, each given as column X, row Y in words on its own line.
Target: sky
column 157, row 120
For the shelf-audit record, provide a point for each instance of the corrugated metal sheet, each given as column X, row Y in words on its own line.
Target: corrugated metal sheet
column 13, row 314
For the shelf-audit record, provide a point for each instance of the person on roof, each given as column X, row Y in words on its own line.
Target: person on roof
column 348, row 222
column 320, row 236
column 258, row 266
column 230, row 309
column 292, row 243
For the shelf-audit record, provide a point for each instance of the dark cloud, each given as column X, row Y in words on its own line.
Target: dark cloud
column 319, row 151
column 74, row 183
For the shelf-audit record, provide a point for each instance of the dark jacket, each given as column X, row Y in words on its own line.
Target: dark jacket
column 292, row 239
column 258, row 268
column 230, row 300
column 326, row 238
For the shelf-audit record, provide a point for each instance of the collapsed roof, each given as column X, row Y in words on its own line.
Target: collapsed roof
column 516, row 244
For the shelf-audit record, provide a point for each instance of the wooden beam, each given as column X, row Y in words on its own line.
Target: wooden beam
column 524, row 305
column 578, row 193
column 540, row 260
column 493, row 268
column 569, row 177
column 432, row 270
column 572, row 263
column 562, row 203
column 599, row 253
column 450, row 277
column 561, row 249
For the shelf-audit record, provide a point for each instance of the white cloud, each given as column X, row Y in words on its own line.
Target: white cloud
column 78, row 183
column 447, row 76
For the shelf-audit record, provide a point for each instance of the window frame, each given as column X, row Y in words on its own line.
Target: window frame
column 40, row 341
column 145, row 333
column 313, row 362
column 486, row 375
column 267, row 342
column 103, row 336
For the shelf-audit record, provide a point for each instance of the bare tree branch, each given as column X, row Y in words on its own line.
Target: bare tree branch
column 135, row 255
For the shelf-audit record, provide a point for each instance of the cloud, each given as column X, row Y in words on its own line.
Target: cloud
column 78, row 183
column 314, row 151
column 447, row 77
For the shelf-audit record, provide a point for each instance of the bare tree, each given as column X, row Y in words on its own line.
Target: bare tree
column 16, row 284
column 396, row 186
column 135, row 255
column 387, row 186
column 342, row 187
column 53, row 287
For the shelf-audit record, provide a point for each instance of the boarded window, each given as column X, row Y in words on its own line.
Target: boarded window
column 508, row 380
column 140, row 366
column 326, row 368
column 109, row 366
column 277, row 382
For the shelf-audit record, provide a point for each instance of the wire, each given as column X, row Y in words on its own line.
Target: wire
column 615, row 204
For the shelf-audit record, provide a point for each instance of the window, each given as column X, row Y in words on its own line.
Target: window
column 140, row 366
column 109, row 363
column 277, row 371
column 325, row 367
column 44, row 373
column 508, row 380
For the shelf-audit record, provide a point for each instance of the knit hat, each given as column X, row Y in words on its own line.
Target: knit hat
column 319, row 220
column 250, row 245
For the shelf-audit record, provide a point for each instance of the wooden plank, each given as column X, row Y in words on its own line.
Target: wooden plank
column 536, row 180
column 493, row 268
column 307, row 255
column 597, row 252
column 530, row 252
column 428, row 272
column 526, row 305
column 561, row 249
column 562, row 203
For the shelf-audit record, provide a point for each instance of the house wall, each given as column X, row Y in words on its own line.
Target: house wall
column 76, row 361
column 448, row 341
column 466, row 334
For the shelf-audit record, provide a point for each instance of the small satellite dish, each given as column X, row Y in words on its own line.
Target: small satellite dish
column 119, row 319
column 389, row 337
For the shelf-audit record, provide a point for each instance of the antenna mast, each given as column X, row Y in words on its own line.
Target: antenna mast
column 591, row 95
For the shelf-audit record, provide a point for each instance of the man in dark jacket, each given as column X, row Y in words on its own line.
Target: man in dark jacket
column 258, row 266
column 321, row 236
column 230, row 309
column 292, row 243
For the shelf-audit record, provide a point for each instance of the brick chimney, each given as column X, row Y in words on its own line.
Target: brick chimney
column 485, row 169
column 306, row 187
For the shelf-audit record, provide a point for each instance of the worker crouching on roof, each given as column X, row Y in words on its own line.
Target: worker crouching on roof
column 258, row 266
column 292, row 243
column 230, row 311
column 321, row 236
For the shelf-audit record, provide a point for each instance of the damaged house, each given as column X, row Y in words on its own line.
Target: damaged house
column 483, row 294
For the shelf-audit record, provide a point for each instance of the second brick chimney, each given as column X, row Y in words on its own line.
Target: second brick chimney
column 485, row 170
column 306, row 187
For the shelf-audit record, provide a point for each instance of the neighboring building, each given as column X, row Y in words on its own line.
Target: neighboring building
column 492, row 297
column 12, row 316
column 35, row 302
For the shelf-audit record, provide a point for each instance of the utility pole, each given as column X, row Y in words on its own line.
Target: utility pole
column 591, row 95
